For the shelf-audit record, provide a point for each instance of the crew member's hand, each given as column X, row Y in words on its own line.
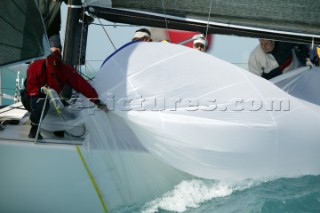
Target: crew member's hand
column 309, row 63
column 102, row 106
column 43, row 90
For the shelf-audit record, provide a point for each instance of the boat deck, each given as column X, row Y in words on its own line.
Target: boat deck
column 15, row 126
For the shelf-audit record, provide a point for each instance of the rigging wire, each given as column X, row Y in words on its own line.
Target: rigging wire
column 209, row 18
column 165, row 19
column 107, row 34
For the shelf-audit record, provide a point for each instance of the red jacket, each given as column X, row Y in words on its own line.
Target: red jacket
column 55, row 74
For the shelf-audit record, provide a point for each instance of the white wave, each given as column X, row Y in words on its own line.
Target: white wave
column 190, row 194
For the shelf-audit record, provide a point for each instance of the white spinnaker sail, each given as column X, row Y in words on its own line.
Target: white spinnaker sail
column 211, row 119
column 302, row 83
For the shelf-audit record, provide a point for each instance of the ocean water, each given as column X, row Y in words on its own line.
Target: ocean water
column 8, row 78
column 284, row 195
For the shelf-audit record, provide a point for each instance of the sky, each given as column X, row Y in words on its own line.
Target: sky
column 233, row 49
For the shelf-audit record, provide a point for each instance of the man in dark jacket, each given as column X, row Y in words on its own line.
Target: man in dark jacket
column 272, row 58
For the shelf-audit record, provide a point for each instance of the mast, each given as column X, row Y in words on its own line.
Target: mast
column 73, row 17
column 72, row 39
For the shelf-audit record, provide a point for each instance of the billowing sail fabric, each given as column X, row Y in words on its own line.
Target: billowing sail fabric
column 283, row 20
column 205, row 116
column 22, row 32
column 303, row 83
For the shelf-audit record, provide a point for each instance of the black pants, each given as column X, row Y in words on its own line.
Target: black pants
column 35, row 104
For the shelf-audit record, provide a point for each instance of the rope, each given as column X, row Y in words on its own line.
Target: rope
column 92, row 180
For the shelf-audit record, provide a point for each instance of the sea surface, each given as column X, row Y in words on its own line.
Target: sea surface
column 284, row 195
column 8, row 76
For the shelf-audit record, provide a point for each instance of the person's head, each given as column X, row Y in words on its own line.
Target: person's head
column 54, row 41
column 266, row 45
column 142, row 34
column 54, row 49
column 200, row 44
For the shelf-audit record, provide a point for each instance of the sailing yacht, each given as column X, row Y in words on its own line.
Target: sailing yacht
column 171, row 118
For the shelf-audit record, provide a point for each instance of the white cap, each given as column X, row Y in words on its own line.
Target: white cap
column 200, row 40
column 140, row 34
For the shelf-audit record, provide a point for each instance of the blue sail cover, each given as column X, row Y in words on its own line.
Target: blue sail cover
column 22, row 32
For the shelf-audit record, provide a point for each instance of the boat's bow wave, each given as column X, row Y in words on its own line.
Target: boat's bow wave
column 207, row 117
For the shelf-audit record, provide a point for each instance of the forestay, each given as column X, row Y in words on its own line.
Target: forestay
column 205, row 116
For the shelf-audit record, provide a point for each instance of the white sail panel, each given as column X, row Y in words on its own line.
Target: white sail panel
column 302, row 83
column 212, row 119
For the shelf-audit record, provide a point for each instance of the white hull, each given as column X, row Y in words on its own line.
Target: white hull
column 51, row 177
column 43, row 178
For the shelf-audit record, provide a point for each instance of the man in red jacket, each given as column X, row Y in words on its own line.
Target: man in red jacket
column 53, row 73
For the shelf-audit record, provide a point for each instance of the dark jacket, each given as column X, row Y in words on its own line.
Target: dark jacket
column 282, row 52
